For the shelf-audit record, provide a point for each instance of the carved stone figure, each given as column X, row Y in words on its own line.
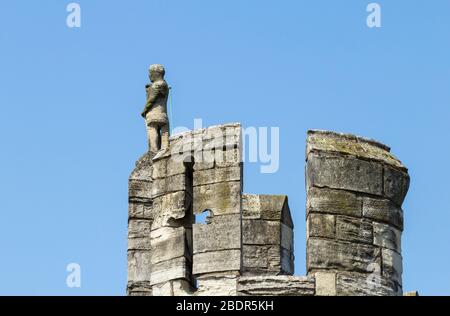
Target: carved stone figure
column 155, row 111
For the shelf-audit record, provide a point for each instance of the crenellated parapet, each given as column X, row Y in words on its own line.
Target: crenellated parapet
column 245, row 245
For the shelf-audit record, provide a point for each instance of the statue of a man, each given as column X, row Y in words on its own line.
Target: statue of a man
column 155, row 111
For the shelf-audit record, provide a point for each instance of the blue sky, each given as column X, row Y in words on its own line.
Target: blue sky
column 70, row 128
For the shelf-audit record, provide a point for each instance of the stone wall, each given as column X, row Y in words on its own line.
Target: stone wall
column 355, row 189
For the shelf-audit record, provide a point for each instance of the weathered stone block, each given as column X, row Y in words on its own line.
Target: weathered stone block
column 169, row 185
column 396, row 185
column 170, row 270
column 217, row 261
column 223, row 233
column 138, row 266
column 392, row 265
column 383, row 210
column 228, row 158
column 140, row 210
column 387, row 236
column 215, row 175
column 159, row 168
column 276, row 286
column 333, row 201
column 261, row 232
column 218, row 285
column 353, row 229
column 173, row 288
column 168, row 243
column 267, row 207
column 140, row 243
column 139, row 228
column 345, row 173
column 170, row 209
column 139, row 288
column 320, row 225
column 143, row 169
column 251, row 206
column 327, row 254
column 255, row 257
column 176, row 167
column 221, row 198
column 139, row 189
column 356, row 284
column 325, row 283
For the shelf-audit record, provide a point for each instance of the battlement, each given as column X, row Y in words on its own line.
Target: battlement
column 355, row 189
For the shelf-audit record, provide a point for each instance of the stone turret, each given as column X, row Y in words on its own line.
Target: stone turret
column 355, row 189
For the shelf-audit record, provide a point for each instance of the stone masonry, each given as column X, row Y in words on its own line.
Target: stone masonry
column 355, row 190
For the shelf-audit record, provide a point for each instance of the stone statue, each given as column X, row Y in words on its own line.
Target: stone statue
column 155, row 111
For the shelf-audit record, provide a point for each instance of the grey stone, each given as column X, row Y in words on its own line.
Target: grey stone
column 255, row 257
column 143, row 169
column 387, row 236
column 170, row 270
column 140, row 189
column 267, row 207
column 168, row 243
column 221, row 198
column 383, row 210
column 356, row 284
column 354, row 229
column 276, row 286
column 140, row 243
column 261, row 232
column 228, row 158
column 322, row 200
column 221, row 284
column 209, row 176
column 396, row 185
column 223, row 233
column 251, row 206
column 320, row 225
column 325, row 283
column 170, row 209
column 169, row 185
column 345, row 173
column 140, row 210
column 392, row 265
column 173, row 288
column 139, row 287
column 138, row 265
column 139, row 228
column 217, row 261
column 340, row 255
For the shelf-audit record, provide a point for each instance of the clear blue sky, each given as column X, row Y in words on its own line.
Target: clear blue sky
column 70, row 127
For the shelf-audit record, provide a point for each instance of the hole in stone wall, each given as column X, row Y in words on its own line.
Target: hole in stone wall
column 204, row 217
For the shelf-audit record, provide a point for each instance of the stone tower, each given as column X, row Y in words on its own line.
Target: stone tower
column 355, row 189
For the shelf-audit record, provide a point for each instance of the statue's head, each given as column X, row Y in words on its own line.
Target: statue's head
column 156, row 72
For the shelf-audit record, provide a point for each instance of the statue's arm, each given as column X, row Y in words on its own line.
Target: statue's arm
column 152, row 95
column 153, row 92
